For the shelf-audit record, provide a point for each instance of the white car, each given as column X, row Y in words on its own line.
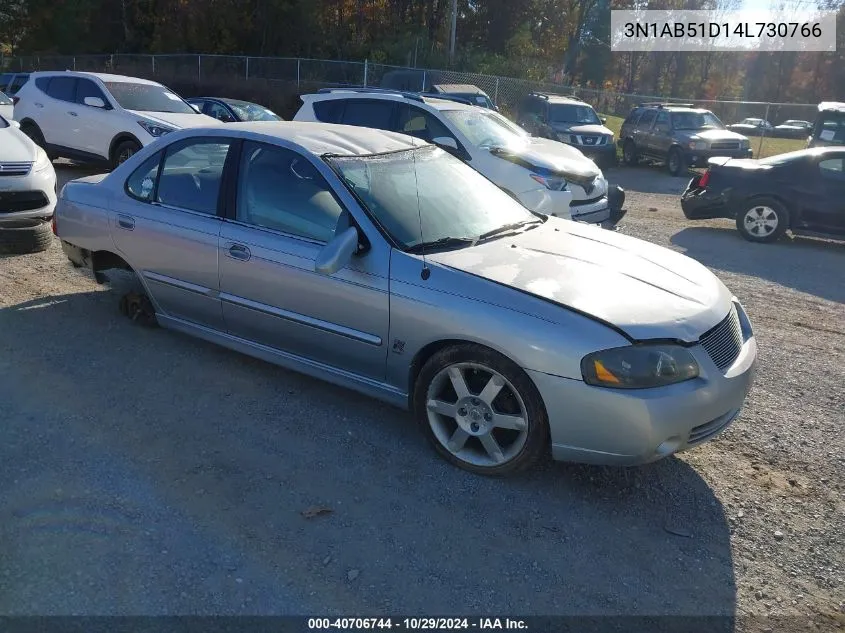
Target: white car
column 27, row 192
column 99, row 118
column 7, row 108
column 544, row 175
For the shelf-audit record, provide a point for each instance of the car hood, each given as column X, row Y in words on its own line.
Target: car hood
column 647, row 291
column 15, row 146
column 545, row 156
column 577, row 128
column 713, row 135
column 178, row 120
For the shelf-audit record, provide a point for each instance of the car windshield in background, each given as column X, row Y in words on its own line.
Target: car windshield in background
column 486, row 129
column 147, row 98
column 252, row 112
column 695, row 121
column 4, row 100
column 565, row 113
column 404, row 193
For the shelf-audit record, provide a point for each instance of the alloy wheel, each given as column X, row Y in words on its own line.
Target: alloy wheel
column 477, row 415
column 761, row 221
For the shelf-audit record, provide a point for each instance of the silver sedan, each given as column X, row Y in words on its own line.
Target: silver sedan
column 381, row 263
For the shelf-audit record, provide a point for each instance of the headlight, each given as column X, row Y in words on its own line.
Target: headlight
column 42, row 161
column 555, row 183
column 153, row 129
column 639, row 367
column 698, row 144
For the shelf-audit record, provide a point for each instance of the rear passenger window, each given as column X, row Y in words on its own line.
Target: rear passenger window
column 62, row 88
column 141, row 184
column 832, row 168
column 192, row 173
column 632, row 118
column 329, row 111
column 42, row 83
column 368, row 113
column 647, row 119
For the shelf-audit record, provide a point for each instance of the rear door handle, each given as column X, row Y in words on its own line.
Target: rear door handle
column 39, row 105
column 73, row 114
column 126, row 222
column 239, row 252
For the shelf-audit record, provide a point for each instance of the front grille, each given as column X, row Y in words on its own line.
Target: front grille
column 729, row 145
column 15, row 169
column 714, row 427
column 13, row 201
column 724, row 342
column 581, row 203
column 591, row 141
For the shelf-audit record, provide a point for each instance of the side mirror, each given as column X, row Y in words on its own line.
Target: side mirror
column 196, row 108
column 338, row 253
column 14, row 123
column 94, row 102
column 446, row 142
column 603, row 119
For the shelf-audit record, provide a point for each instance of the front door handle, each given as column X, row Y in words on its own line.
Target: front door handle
column 39, row 105
column 126, row 222
column 239, row 252
column 73, row 114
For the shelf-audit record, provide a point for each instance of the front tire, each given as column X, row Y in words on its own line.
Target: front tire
column 23, row 237
column 762, row 220
column 675, row 162
column 481, row 411
column 123, row 152
column 630, row 154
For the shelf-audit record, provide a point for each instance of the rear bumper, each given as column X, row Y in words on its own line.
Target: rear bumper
column 699, row 158
column 703, row 204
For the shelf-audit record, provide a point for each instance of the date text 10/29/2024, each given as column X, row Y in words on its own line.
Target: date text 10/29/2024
column 417, row 624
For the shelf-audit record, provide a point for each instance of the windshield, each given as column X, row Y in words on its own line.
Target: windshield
column 487, row 129
column 566, row 113
column 4, row 100
column 147, row 98
column 252, row 112
column 695, row 121
column 404, row 193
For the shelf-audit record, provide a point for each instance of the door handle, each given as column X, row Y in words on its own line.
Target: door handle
column 239, row 252
column 126, row 222
column 73, row 114
column 39, row 105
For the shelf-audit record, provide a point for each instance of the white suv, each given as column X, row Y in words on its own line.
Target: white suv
column 545, row 176
column 95, row 118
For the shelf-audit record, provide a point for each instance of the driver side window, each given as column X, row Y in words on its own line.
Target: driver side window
column 421, row 124
column 219, row 112
column 281, row 190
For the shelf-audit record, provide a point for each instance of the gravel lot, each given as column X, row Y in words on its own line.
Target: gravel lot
column 144, row 472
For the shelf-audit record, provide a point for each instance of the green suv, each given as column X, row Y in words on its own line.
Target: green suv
column 680, row 135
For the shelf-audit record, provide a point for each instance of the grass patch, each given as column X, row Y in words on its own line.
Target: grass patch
column 771, row 146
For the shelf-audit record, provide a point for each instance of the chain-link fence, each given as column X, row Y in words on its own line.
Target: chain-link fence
column 242, row 75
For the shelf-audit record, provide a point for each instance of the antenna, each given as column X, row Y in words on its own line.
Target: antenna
column 426, row 271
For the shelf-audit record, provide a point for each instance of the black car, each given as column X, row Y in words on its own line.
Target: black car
column 233, row 110
column 801, row 191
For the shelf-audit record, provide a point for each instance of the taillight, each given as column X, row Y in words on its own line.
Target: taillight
column 704, row 179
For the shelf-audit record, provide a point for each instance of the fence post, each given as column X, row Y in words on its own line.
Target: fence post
column 298, row 71
column 74, row 63
column 247, row 67
column 199, row 67
column 422, row 88
column 763, row 133
column 153, row 58
column 111, row 62
column 496, row 94
column 366, row 71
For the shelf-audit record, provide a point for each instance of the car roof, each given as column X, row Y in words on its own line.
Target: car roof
column 831, row 106
column 387, row 95
column 104, row 77
column 462, row 88
column 328, row 138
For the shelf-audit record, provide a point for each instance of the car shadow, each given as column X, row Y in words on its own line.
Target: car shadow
column 144, row 471
column 648, row 179
column 804, row 264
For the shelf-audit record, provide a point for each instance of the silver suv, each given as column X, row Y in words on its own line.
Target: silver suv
column 680, row 135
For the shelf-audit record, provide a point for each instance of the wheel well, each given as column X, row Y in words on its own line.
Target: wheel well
column 106, row 260
column 120, row 138
column 27, row 122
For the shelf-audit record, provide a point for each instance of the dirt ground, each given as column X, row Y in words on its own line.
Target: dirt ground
column 146, row 472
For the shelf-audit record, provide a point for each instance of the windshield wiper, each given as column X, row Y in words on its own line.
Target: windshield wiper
column 508, row 227
column 443, row 242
